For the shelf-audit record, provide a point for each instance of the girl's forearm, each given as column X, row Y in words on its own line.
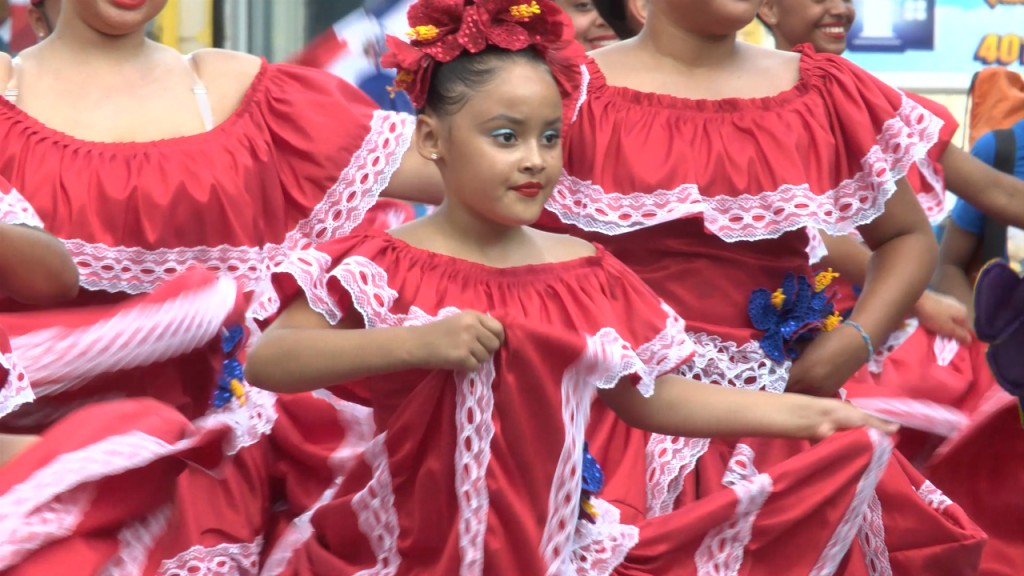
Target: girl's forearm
column 897, row 275
column 303, row 359
column 683, row 407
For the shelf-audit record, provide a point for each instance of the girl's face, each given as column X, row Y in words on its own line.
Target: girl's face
column 591, row 31
column 501, row 155
column 113, row 17
column 823, row 23
column 705, row 17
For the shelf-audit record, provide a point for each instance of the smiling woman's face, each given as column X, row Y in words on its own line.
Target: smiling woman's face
column 591, row 31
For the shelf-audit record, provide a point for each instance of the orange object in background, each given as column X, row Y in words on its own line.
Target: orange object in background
column 996, row 98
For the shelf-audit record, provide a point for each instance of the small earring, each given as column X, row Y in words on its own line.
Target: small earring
column 433, row 155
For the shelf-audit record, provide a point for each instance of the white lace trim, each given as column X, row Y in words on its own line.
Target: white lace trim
column 137, row 270
column 249, row 422
column 816, row 248
column 135, row 543
column 872, row 540
column 14, row 209
column 358, row 424
column 933, row 201
column 50, row 503
column 725, row 363
column 669, row 349
column 474, row 409
column 240, row 559
column 721, row 551
column 17, row 390
column 587, row 206
column 604, row 362
column 584, row 88
column 854, row 202
column 375, row 511
column 60, row 358
column 933, row 496
column 877, row 362
column 599, row 547
column 923, row 415
column 670, row 459
column 853, row 519
column 945, row 349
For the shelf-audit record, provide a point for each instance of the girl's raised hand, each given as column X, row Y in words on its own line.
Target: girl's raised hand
column 462, row 341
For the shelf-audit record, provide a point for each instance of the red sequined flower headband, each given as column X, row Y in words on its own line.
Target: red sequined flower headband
column 444, row 29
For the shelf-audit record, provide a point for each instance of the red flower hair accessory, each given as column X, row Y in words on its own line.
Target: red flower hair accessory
column 444, row 29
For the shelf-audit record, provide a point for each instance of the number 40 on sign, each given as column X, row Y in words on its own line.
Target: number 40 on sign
column 1000, row 49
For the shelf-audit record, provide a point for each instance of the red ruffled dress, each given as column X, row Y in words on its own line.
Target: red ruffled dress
column 480, row 472
column 299, row 162
column 708, row 201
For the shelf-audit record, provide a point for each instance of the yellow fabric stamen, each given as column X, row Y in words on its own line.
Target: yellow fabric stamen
column 402, row 80
column 823, row 279
column 778, row 298
column 832, row 322
column 588, row 507
column 422, row 33
column 525, row 11
column 238, row 390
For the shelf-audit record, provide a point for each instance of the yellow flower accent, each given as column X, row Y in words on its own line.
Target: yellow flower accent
column 778, row 298
column 525, row 11
column 422, row 33
column 402, row 80
column 823, row 279
column 588, row 507
column 238, row 390
column 832, row 322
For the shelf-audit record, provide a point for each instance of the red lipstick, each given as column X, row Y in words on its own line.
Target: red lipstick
column 128, row 4
column 529, row 189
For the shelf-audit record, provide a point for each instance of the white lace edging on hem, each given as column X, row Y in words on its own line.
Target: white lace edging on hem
column 240, row 559
column 903, row 140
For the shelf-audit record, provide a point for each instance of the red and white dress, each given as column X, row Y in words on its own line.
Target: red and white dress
column 708, row 201
column 299, row 162
column 479, row 472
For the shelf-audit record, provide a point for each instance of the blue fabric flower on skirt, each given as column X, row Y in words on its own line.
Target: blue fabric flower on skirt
column 593, row 481
column 795, row 313
column 229, row 384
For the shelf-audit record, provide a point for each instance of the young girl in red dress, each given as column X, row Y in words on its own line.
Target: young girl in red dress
column 701, row 162
column 479, row 342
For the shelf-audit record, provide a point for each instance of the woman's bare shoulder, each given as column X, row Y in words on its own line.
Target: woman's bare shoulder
column 227, row 76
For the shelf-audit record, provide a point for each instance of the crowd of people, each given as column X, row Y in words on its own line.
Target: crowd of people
column 670, row 315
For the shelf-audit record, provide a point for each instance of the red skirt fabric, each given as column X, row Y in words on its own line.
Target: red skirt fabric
column 980, row 469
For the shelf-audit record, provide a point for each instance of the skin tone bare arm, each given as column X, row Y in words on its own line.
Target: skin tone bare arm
column 936, row 312
column 35, row 268
column 996, row 194
column 898, row 273
column 955, row 255
column 682, row 407
column 301, row 351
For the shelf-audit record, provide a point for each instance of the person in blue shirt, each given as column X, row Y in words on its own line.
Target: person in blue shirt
column 959, row 257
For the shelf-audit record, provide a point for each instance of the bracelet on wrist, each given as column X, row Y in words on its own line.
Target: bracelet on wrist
column 864, row 336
